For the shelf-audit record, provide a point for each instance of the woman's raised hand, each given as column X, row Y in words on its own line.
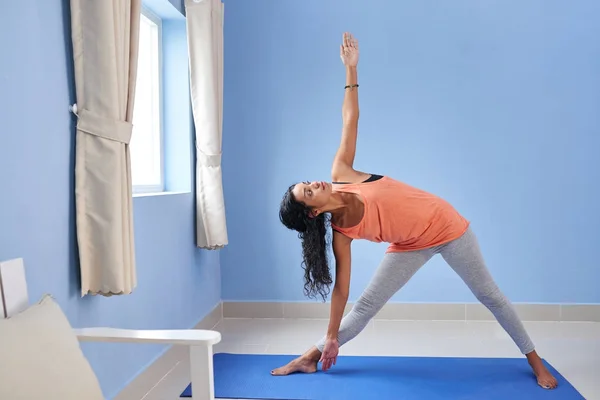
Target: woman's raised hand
column 349, row 50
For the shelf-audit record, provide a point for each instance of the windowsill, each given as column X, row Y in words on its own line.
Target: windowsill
column 166, row 193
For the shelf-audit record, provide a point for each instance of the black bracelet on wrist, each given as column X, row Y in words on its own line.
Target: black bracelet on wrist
column 351, row 86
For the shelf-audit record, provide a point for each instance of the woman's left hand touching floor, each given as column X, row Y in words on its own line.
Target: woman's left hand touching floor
column 330, row 353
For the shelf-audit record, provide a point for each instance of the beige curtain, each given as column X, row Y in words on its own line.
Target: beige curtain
column 105, row 48
column 204, row 20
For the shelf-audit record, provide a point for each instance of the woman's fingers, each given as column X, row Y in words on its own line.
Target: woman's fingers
column 328, row 362
column 352, row 41
column 349, row 42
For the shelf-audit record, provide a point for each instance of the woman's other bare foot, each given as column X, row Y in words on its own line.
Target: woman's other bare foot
column 306, row 363
column 544, row 377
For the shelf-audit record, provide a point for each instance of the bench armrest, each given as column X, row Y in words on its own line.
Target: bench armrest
column 188, row 337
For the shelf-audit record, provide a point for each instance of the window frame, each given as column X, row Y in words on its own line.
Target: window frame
column 158, row 188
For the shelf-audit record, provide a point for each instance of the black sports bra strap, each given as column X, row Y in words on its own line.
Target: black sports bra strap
column 372, row 178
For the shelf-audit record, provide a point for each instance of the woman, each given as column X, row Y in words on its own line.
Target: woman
column 418, row 225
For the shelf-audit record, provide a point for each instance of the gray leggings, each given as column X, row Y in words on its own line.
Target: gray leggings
column 464, row 256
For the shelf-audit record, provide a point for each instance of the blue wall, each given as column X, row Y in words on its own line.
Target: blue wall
column 177, row 283
column 179, row 151
column 492, row 105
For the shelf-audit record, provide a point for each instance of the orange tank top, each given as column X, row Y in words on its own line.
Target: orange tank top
column 406, row 217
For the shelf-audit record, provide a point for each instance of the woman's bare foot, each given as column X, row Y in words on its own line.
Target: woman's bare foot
column 300, row 364
column 306, row 363
column 544, row 377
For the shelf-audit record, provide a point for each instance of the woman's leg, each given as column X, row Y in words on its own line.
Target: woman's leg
column 464, row 256
column 393, row 273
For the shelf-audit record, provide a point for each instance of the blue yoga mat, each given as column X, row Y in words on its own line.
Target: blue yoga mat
column 247, row 376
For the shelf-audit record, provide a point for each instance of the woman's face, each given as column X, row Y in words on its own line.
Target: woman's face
column 313, row 194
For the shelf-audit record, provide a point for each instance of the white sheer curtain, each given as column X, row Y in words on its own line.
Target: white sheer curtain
column 105, row 48
column 204, row 20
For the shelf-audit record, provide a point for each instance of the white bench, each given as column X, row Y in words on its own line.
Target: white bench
column 15, row 307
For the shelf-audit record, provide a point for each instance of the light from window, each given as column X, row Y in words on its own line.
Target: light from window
column 146, row 141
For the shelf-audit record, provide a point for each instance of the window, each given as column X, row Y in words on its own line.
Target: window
column 147, row 155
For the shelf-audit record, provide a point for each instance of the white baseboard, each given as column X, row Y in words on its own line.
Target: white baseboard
column 142, row 384
column 417, row 311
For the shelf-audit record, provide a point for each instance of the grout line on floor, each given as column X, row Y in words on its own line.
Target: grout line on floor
column 161, row 380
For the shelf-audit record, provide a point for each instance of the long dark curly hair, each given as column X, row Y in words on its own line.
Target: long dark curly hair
column 315, row 240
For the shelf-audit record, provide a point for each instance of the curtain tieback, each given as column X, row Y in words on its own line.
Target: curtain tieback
column 209, row 160
column 108, row 128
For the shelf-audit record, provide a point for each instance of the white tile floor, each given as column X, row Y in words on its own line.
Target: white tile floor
column 573, row 348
